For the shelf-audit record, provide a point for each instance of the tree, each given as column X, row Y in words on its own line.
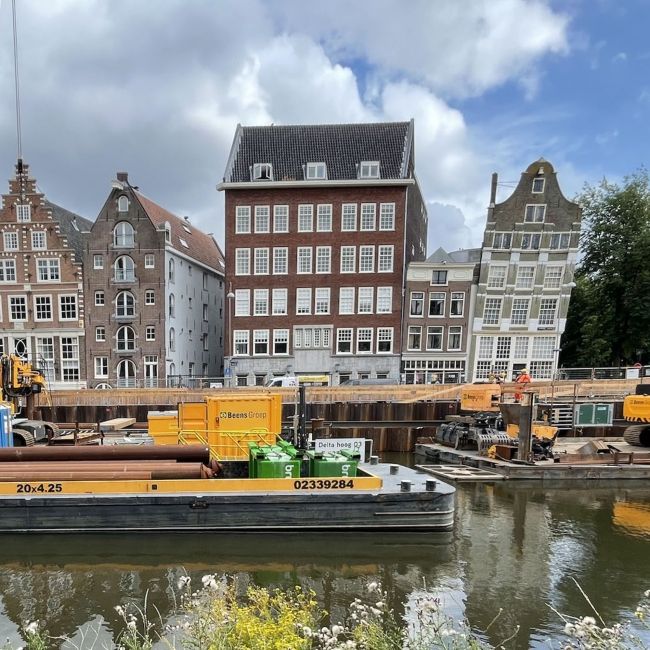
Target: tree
column 609, row 315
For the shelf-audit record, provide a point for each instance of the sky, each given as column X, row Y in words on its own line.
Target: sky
column 157, row 87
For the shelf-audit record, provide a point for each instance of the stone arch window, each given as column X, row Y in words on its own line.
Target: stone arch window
column 124, row 269
column 125, row 339
column 125, row 304
column 123, row 204
column 172, row 340
column 123, row 235
column 172, row 305
column 126, row 374
column 171, row 270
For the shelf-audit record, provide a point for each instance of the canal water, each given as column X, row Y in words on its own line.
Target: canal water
column 519, row 548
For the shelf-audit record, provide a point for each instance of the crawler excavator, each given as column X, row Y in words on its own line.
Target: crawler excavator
column 636, row 408
column 19, row 382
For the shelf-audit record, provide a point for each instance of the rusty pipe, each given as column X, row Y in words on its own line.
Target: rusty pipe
column 180, row 453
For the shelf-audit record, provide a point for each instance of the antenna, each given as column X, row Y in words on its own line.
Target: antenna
column 18, row 129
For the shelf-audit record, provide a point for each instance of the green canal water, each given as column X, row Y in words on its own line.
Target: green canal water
column 516, row 547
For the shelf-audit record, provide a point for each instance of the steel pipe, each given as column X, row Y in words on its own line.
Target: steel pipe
column 180, row 453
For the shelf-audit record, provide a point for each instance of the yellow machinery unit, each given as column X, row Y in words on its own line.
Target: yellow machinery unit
column 226, row 424
column 636, row 408
column 480, row 397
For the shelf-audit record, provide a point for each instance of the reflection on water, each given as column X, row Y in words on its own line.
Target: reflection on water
column 516, row 547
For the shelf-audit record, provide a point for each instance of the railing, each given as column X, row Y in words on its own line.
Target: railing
column 229, row 444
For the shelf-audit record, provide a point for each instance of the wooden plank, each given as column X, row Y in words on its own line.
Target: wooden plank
column 116, row 424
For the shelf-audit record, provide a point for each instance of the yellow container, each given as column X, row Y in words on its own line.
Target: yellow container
column 245, row 413
column 163, row 427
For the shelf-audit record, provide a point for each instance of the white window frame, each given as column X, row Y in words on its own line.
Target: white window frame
column 324, row 217
column 150, row 297
column 101, row 367
column 241, row 337
column 262, row 219
column 322, row 300
column 323, row 259
column 45, row 271
column 366, row 259
column 261, row 262
column 62, row 307
column 8, row 273
column 98, row 261
column 457, row 300
column 149, row 261
column 303, row 301
column 348, row 259
column 100, row 298
column 123, row 235
column 535, row 213
column 547, row 315
column 520, row 311
column 365, row 300
column 261, row 337
column 39, row 240
column 492, row 309
column 384, row 300
column 365, row 336
column 280, row 218
column 11, row 240
column 385, row 258
column 540, row 190
column 502, row 241
column 262, row 172
column 368, row 220
column 369, row 169
column 437, row 297
column 348, row 217
column 280, row 298
column 454, row 331
column 386, row 216
column 344, row 335
column 242, row 261
column 346, row 300
column 523, row 280
column 553, row 274
column 306, row 217
column 316, row 171
column 413, row 331
column 47, row 298
column 497, row 276
column 100, row 334
column 280, row 260
column 435, row 330
column 123, row 203
column 242, row 302
column 280, row 336
column 23, row 212
column 382, row 338
column 261, row 302
column 150, row 333
column 416, row 304
column 242, row 219
column 304, row 260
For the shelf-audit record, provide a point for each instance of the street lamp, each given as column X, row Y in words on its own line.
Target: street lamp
column 230, row 296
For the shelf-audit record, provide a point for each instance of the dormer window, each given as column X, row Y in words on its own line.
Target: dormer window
column 316, row 171
column 262, row 172
column 123, row 204
column 538, row 185
column 168, row 232
column 24, row 212
column 369, row 169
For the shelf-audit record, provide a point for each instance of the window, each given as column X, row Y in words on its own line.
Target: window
column 45, row 349
column 414, row 337
column 364, row 340
column 525, row 277
column 384, row 340
column 100, row 299
column 262, row 218
column 48, row 270
column 123, row 204
column 7, row 270
column 171, row 270
column 417, row 303
column 172, row 340
column 560, row 240
column 434, row 337
column 241, row 342
column 312, row 337
column 303, row 301
column 242, row 261
column 365, row 300
column 437, row 304
column 543, row 347
column 101, row 367
column 262, row 172
column 149, row 261
column 261, row 302
column 124, row 269
column 242, row 302
column 304, row 254
column 502, row 240
column 384, row 300
column 123, row 236
column 387, row 216
column 323, row 259
column 553, row 277
column 368, row 216
column 503, row 347
column 521, row 347
column 519, row 311
column 366, row 259
column 125, row 339
column 43, row 307
column 497, row 277
column 369, row 169
column 349, row 217
column 538, row 185
column 125, row 305
column 541, row 369
column 280, row 261
column 324, row 218
column 39, row 240
column 242, row 219
column 316, row 171
column 344, row 340
column 305, row 218
column 67, row 307
column 346, row 300
column 485, row 347
column 457, row 305
column 70, row 358
column 100, row 334
column 151, row 370
column 98, row 261
column 492, row 311
column 439, row 277
column 530, row 241
column 281, row 218
column 260, row 342
column 261, row 261
column 279, row 302
column 11, row 241
column 150, row 333
column 322, row 300
column 205, row 312
column 348, row 259
column 24, row 213
column 547, row 307
column 454, row 337
column 385, row 259
column 280, row 341
column 535, row 213
column 205, row 345
column 149, row 297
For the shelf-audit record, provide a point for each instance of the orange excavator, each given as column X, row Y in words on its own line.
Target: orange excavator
column 636, row 408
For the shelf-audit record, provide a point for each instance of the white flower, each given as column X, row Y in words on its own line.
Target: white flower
column 184, row 582
column 131, row 625
column 336, row 630
column 119, row 610
column 32, row 628
column 589, row 620
column 379, row 604
column 373, row 586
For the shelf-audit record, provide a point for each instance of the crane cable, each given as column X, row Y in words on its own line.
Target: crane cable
column 18, row 127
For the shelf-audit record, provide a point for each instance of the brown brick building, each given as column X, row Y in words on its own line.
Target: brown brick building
column 41, row 281
column 321, row 222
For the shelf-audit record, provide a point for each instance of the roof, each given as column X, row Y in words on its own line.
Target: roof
column 340, row 146
column 199, row 246
column 462, row 256
column 72, row 226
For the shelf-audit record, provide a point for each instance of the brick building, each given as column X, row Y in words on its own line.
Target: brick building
column 154, row 295
column 528, row 259
column 41, row 281
column 321, row 222
column 440, row 294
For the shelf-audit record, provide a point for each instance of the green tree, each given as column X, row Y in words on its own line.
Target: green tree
column 609, row 316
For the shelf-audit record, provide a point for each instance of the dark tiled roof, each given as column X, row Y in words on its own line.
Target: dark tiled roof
column 200, row 246
column 72, row 227
column 341, row 146
column 463, row 256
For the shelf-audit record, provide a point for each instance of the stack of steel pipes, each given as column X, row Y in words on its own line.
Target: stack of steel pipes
column 105, row 463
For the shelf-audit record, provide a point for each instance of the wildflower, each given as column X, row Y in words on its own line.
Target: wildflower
column 373, row 586
column 119, row 610
column 336, row 630
column 32, row 628
column 184, row 582
column 379, row 604
column 589, row 620
column 131, row 624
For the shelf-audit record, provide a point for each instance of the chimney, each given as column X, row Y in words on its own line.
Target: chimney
column 123, row 177
column 186, row 218
column 493, row 189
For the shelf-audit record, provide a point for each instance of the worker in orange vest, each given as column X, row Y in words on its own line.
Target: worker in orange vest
column 523, row 380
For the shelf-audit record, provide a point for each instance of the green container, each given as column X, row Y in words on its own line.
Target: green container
column 277, row 466
column 332, row 464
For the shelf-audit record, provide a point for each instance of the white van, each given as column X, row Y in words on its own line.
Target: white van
column 288, row 381
column 291, row 381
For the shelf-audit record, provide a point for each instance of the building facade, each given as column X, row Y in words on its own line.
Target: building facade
column 41, row 282
column 155, row 295
column 321, row 222
column 527, row 267
column 440, row 294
